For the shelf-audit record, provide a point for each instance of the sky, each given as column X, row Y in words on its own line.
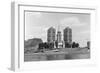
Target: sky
column 37, row 24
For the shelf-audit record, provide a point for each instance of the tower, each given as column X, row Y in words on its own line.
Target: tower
column 67, row 35
column 59, row 36
column 51, row 34
column 59, row 39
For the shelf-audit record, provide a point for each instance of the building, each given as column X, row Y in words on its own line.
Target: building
column 59, row 36
column 51, row 33
column 67, row 35
column 59, row 39
column 88, row 44
column 52, row 37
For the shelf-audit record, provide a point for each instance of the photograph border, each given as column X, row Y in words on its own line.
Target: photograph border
column 16, row 40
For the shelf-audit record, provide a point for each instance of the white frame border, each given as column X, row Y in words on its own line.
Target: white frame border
column 16, row 53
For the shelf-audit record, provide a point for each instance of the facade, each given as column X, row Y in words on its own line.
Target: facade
column 67, row 36
column 51, row 33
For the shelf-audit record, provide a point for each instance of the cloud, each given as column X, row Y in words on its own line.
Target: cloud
column 71, row 21
column 34, row 14
column 35, row 32
column 85, row 32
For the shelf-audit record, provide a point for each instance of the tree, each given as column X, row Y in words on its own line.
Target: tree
column 77, row 45
column 73, row 45
column 56, row 44
column 41, row 46
column 32, row 42
column 67, row 45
